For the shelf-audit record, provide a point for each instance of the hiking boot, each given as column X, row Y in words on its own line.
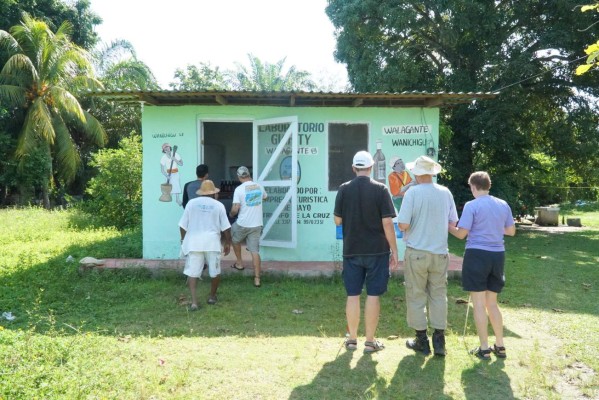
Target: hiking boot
column 439, row 344
column 420, row 343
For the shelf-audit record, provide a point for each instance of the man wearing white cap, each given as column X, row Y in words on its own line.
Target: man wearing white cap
column 425, row 213
column 364, row 208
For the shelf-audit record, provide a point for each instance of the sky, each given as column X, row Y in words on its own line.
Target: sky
column 172, row 34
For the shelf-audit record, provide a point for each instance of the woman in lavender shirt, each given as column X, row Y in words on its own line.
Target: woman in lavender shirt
column 485, row 220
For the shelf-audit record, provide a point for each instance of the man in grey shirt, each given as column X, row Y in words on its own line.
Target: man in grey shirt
column 426, row 211
column 190, row 189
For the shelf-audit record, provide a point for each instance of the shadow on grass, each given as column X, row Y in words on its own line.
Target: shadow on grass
column 338, row 380
column 418, row 377
column 487, row 381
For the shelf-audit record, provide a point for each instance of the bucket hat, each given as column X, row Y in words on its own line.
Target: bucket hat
column 424, row 166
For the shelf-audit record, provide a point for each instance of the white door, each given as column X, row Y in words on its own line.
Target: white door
column 276, row 169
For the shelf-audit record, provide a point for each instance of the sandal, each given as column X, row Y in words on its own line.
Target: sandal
column 484, row 355
column 373, row 347
column 238, row 268
column 351, row 344
column 499, row 351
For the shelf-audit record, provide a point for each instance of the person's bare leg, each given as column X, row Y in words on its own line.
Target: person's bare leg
column 237, row 251
column 214, row 286
column 480, row 318
column 495, row 317
column 372, row 311
column 352, row 313
column 256, row 261
column 192, row 288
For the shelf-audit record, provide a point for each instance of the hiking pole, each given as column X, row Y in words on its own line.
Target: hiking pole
column 343, row 342
column 466, row 323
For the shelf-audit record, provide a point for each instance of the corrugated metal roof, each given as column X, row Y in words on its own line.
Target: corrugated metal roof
column 292, row 99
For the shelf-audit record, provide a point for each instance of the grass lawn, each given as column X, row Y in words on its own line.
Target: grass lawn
column 128, row 335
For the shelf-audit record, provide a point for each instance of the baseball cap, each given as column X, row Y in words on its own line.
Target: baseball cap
column 362, row 159
column 243, row 172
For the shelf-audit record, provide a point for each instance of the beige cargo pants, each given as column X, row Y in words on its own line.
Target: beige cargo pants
column 425, row 277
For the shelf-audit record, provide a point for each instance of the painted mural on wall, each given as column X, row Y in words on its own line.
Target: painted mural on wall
column 169, row 167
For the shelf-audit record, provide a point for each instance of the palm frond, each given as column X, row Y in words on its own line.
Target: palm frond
column 94, row 130
column 65, row 151
column 11, row 95
column 109, row 54
column 19, row 70
column 65, row 102
column 82, row 83
column 8, row 43
column 38, row 124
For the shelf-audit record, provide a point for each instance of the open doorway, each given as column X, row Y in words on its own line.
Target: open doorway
column 227, row 145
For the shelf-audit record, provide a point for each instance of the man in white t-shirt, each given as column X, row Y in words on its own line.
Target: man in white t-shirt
column 203, row 224
column 247, row 202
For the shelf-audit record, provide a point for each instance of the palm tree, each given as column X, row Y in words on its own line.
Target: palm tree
column 42, row 70
column 270, row 77
column 117, row 67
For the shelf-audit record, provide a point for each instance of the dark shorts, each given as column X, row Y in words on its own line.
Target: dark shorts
column 483, row 270
column 374, row 270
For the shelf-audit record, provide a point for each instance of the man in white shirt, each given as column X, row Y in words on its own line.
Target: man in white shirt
column 203, row 224
column 247, row 202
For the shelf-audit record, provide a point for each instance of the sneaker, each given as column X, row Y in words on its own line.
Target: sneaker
column 439, row 344
column 420, row 343
column 212, row 300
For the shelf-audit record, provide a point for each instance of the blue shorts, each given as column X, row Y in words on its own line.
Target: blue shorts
column 483, row 270
column 374, row 270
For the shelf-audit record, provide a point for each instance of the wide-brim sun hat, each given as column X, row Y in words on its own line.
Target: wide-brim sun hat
column 424, row 165
column 362, row 159
column 207, row 188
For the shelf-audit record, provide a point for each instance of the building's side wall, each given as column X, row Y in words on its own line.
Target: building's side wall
column 316, row 240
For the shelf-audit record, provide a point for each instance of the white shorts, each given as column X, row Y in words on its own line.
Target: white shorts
column 195, row 260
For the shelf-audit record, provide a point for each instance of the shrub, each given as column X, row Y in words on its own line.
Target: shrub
column 116, row 189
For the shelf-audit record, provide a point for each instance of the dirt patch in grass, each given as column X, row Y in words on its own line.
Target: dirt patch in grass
column 573, row 377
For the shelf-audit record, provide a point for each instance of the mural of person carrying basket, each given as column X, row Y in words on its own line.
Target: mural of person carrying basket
column 169, row 166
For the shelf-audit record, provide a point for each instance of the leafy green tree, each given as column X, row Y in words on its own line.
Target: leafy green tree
column 54, row 13
column 118, row 68
column 43, row 69
column 264, row 76
column 116, row 188
column 200, row 78
column 527, row 50
column 257, row 76
column 593, row 49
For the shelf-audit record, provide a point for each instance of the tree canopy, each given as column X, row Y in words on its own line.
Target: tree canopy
column 259, row 75
column 532, row 137
column 42, row 70
column 593, row 49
